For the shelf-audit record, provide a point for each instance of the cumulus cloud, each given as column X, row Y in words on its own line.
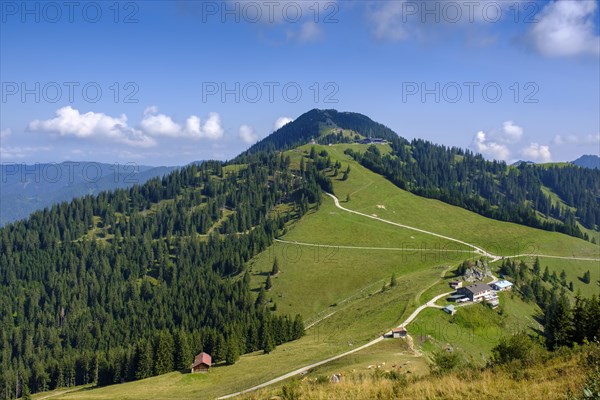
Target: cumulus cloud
column 489, row 148
column 247, row 134
column 281, row 121
column 494, row 144
column 93, row 125
column 512, row 133
column 212, row 128
column 70, row 122
column 192, row 126
column 537, row 152
column 585, row 140
column 567, row 28
column 157, row 124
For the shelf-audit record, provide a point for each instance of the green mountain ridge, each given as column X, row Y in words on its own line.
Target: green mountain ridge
column 459, row 177
column 130, row 283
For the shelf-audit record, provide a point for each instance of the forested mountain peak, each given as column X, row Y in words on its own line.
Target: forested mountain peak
column 317, row 123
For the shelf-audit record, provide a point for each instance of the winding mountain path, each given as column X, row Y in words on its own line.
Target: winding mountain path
column 411, row 317
column 478, row 250
column 430, row 303
column 335, row 246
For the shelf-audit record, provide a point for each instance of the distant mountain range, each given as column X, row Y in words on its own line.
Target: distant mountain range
column 588, row 161
column 25, row 188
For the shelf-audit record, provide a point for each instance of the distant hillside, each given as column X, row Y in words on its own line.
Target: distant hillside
column 25, row 188
column 517, row 163
column 588, row 161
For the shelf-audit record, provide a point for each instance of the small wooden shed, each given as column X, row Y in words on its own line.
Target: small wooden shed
column 202, row 363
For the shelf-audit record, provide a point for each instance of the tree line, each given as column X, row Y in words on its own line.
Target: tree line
column 133, row 282
column 565, row 322
column 491, row 188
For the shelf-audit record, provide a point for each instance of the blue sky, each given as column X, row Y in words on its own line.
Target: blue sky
column 189, row 80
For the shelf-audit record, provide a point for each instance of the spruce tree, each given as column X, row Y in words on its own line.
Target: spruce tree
column 558, row 327
column 261, row 298
column 268, row 344
column 586, row 277
column 563, row 278
column 298, row 327
column 232, row 352
column 546, row 275
column 183, row 353
column 143, row 359
column 165, row 347
column 536, row 267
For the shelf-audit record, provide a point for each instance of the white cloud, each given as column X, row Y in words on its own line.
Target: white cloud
column 512, row 133
column 489, row 148
column 212, row 128
column 247, row 134
column 93, row 125
column 494, row 144
column 4, row 133
column 586, row 140
column 282, row 121
column 537, row 152
column 567, row 28
column 159, row 124
column 69, row 122
column 156, row 124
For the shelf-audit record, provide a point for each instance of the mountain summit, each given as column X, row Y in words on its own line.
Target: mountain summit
column 317, row 123
column 588, row 161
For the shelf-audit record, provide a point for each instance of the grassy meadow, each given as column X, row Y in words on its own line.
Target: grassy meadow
column 339, row 290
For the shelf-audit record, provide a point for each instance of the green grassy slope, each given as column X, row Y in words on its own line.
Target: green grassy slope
column 343, row 285
column 368, row 191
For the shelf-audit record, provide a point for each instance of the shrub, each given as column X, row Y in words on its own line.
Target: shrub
column 445, row 362
column 518, row 350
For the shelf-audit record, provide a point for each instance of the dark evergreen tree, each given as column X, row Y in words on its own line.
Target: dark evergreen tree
column 165, row 349
column 536, row 267
column 558, row 326
column 183, row 352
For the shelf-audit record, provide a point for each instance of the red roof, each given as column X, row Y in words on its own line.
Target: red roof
column 401, row 329
column 202, row 358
